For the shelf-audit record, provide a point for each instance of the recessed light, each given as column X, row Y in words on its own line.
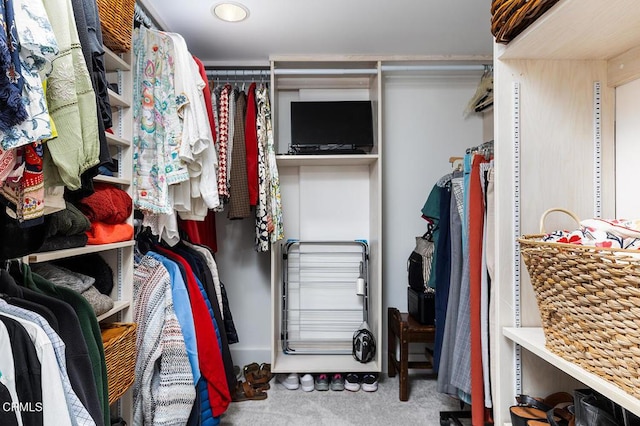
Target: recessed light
column 230, row 11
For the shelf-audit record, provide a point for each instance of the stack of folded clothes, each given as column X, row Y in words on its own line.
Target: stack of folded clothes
column 93, row 265
column 65, row 229
column 108, row 209
column 76, row 281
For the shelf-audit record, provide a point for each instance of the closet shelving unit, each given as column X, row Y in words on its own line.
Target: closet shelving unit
column 327, row 197
column 119, row 256
column 337, row 197
column 554, row 147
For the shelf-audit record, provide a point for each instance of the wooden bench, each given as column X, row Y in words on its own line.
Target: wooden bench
column 402, row 327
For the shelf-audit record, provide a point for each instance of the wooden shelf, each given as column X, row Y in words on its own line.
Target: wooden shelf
column 325, row 160
column 118, row 306
column 112, row 180
column 63, row 254
column 116, row 140
column 532, row 339
column 579, row 29
column 117, row 100
column 113, row 62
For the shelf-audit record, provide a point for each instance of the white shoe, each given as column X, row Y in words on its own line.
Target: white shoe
column 307, row 382
column 289, row 381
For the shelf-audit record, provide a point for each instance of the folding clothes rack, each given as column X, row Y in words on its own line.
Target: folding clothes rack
column 324, row 295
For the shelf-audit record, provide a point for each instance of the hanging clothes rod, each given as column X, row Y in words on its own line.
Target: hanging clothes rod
column 140, row 15
column 435, row 67
column 373, row 71
column 237, row 73
column 304, row 71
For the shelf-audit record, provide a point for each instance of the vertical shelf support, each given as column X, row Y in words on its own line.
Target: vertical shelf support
column 597, row 150
column 516, row 230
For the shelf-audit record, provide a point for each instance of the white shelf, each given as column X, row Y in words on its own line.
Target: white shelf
column 532, row 339
column 118, row 306
column 117, row 100
column 113, row 62
column 307, row 363
column 580, row 29
column 319, row 183
column 112, row 180
column 116, row 140
column 63, row 254
column 326, row 160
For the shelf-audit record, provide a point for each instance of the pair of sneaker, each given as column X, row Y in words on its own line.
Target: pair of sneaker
column 293, row 381
column 323, row 383
column 368, row 382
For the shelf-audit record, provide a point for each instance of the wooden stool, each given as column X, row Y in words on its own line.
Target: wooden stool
column 403, row 327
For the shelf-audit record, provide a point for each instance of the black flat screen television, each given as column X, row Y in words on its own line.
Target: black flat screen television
column 329, row 126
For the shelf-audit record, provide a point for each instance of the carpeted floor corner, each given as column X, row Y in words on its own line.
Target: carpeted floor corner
column 383, row 407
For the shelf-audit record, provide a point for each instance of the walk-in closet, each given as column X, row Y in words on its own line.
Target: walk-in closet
column 388, row 212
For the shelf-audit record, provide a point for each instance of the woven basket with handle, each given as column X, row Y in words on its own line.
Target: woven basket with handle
column 510, row 17
column 119, row 341
column 589, row 302
column 116, row 20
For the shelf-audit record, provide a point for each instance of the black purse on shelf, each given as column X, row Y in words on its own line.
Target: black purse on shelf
column 420, row 259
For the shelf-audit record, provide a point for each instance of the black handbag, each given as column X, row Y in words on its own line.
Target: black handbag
column 420, row 259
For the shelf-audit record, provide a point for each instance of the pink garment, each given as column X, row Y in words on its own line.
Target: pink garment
column 223, row 142
column 7, row 163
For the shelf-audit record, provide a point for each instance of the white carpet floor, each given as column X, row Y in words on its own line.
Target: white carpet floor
column 383, row 407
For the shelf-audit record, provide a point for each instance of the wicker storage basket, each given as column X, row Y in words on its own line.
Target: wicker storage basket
column 116, row 20
column 510, row 17
column 589, row 301
column 119, row 341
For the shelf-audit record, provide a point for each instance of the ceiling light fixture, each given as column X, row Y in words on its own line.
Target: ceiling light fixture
column 230, row 11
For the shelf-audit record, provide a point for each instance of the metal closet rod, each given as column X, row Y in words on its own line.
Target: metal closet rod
column 140, row 15
column 437, row 67
column 328, row 71
column 232, row 73
column 372, row 71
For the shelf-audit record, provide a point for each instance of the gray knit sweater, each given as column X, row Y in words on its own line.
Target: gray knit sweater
column 163, row 391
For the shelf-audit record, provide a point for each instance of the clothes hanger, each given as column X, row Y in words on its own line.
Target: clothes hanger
column 484, row 90
column 456, row 163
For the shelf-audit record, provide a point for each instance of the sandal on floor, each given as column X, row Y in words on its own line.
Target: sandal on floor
column 258, row 384
column 260, row 377
column 250, row 368
column 265, row 371
column 530, row 409
column 246, row 392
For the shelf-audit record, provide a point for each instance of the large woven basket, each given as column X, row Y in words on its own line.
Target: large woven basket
column 510, row 17
column 119, row 341
column 116, row 20
column 589, row 301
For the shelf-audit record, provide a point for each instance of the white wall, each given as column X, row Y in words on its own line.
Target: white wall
column 627, row 150
column 423, row 126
